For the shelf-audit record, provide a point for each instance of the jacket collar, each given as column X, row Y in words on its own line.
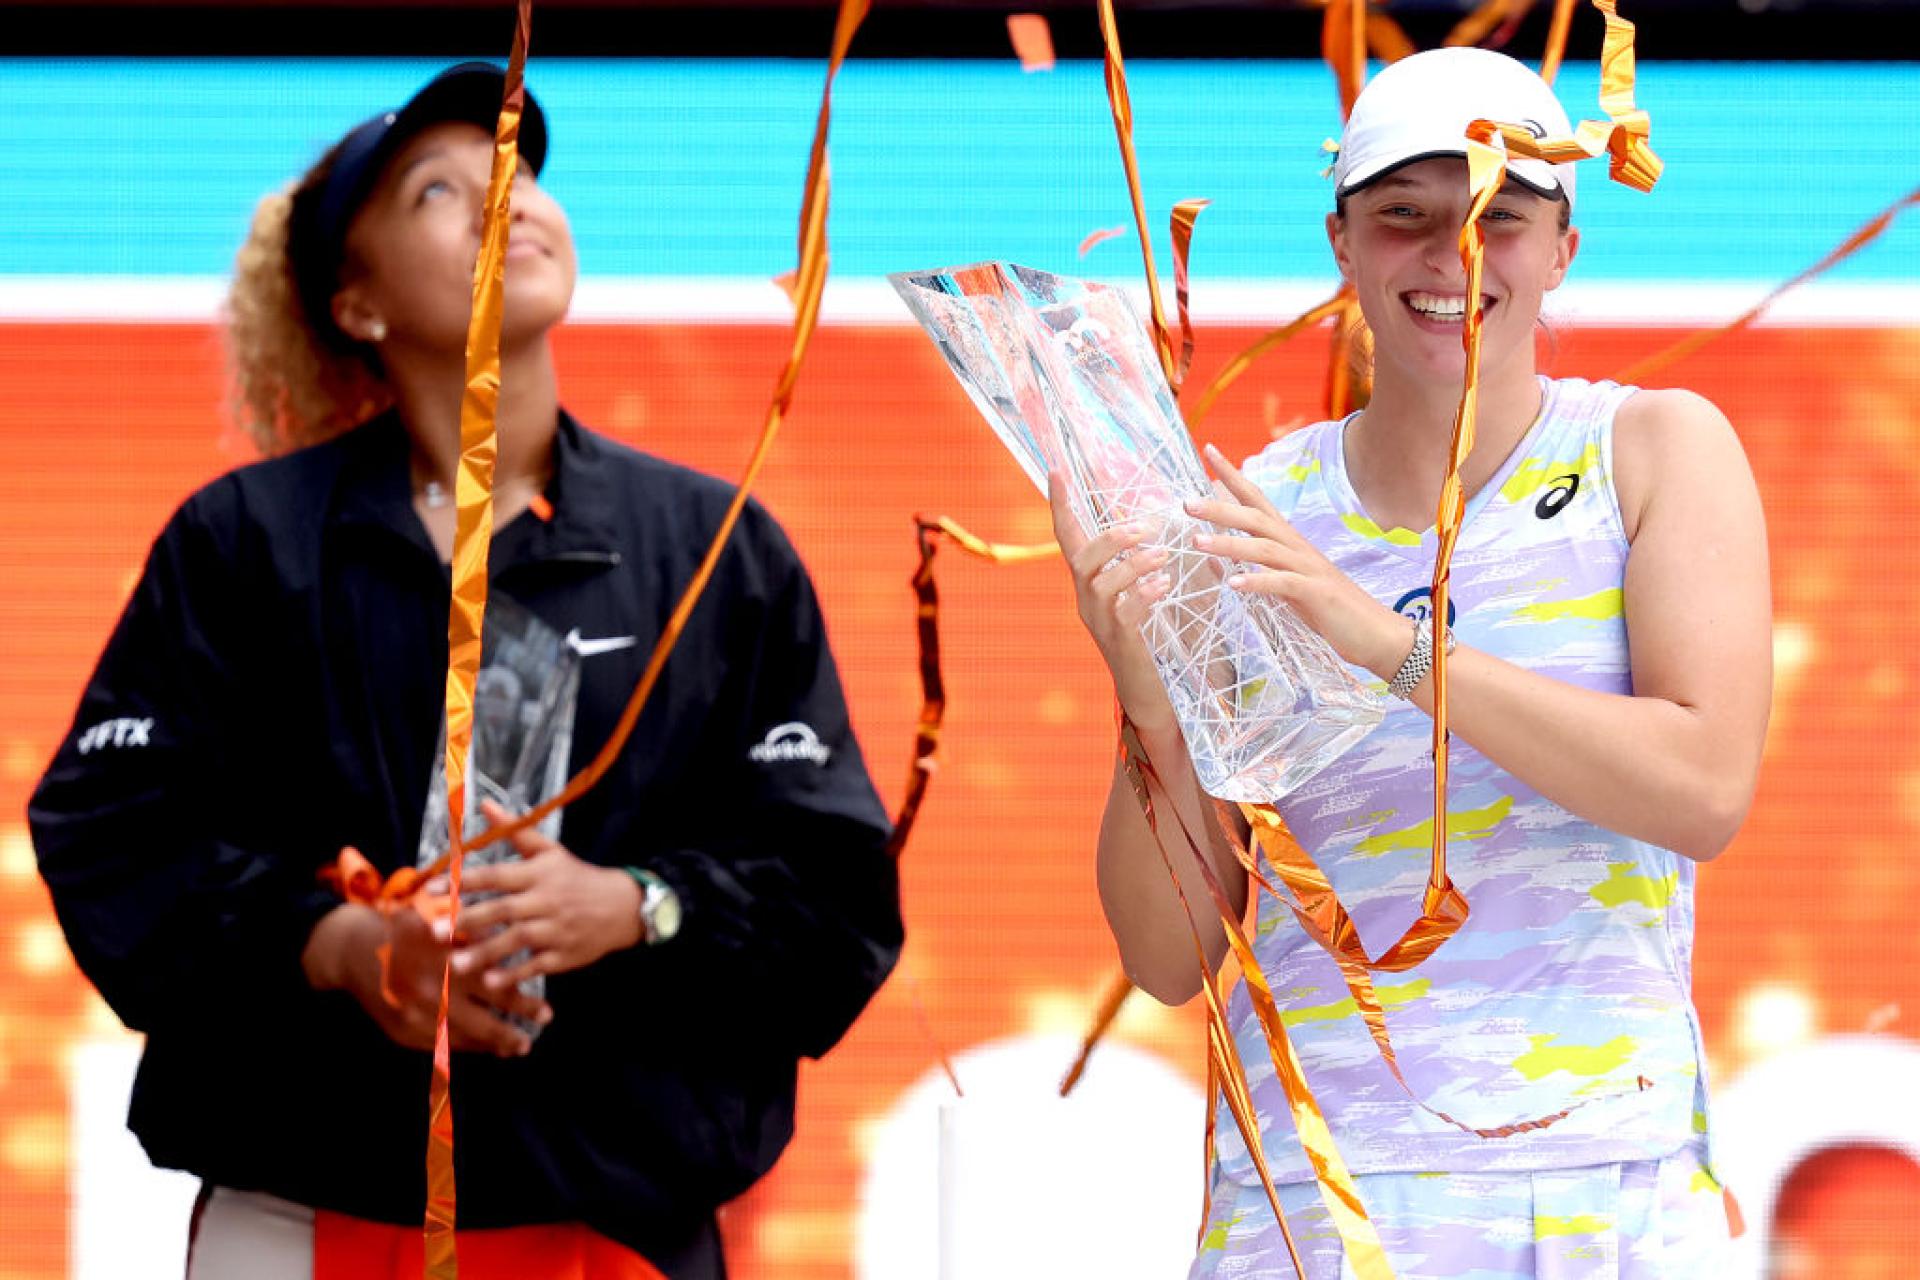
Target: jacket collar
column 373, row 489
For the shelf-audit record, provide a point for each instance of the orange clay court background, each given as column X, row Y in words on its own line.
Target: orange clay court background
column 1806, row 923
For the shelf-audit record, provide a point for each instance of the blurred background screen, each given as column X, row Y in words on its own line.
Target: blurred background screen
column 140, row 136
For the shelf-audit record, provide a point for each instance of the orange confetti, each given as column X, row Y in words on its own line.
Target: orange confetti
column 1032, row 40
column 1095, row 237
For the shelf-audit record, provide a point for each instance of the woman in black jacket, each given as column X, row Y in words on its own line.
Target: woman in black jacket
column 719, row 906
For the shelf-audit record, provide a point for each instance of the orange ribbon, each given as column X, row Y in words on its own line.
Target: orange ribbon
column 808, row 283
column 933, row 691
column 1185, row 213
column 1387, row 40
column 1122, row 104
column 1119, row 987
column 473, row 525
column 1344, row 39
column 933, row 706
column 1099, row 236
column 1338, row 1191
column 1494, row 18
column 1349, row 361
column 1557, row 33
column 1694, row 341
column 1032, row 40
column 1231, row 372
column 1623, row 136
column 473, row 534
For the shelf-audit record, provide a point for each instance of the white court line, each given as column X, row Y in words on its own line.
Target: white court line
column 867, row 301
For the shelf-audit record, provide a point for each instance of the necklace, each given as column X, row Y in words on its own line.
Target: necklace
column 435, row 494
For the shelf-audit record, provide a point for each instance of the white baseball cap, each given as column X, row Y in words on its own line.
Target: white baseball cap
column 1420, row 107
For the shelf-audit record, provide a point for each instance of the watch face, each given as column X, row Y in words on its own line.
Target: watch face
column 663, row 913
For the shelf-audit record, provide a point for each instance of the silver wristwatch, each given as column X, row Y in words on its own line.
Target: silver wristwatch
column 659, row 907
column 1419, row 661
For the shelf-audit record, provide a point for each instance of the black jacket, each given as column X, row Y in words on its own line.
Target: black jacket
column 273, row 692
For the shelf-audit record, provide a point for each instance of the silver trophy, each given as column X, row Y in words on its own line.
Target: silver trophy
column 523, row 706
column 1066, row 374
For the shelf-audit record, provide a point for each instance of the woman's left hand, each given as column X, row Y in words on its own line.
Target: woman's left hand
column 566, row 911
column 1361, row 629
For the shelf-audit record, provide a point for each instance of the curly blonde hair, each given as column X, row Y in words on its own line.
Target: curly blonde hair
column 291, row 386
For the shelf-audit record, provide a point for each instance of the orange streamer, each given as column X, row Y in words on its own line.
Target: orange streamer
column 1100, row 236
column 473, row 534
column 1324, row 918
column 1335, row 1183
column 1118, row 989
column 1229, row 374
column 1859, row 240
column 1117, row 98
column 1223, row 1059
column 933, row 706
column 998, row 552
column 1032, row 41
column 1557, row 33
column 1349, row 361
column 1387, row 40
column 1623, row 136
column 933, row 690
column 1356, row 32
column 1491, row 16
column 1344, row 36
column 809, row 283
column 1184, row 215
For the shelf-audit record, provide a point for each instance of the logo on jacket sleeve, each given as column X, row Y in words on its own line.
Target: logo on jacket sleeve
column 790, row 741
column 122, row 732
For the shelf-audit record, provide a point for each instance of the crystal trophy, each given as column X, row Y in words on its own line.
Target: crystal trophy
column 1065, row 373
column 523, row 708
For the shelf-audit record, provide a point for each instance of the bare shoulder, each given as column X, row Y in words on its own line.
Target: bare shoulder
column 1674, row 440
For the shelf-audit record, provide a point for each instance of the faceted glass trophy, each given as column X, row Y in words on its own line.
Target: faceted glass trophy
column 523, row 707
column 1067, row 376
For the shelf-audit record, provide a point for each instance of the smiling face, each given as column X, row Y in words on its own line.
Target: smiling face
column 412, row 247
column 1397, row 244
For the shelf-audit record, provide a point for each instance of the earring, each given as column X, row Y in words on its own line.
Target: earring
column 377, row 331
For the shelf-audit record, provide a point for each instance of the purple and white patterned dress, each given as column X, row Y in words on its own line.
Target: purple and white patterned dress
column 1570, row 983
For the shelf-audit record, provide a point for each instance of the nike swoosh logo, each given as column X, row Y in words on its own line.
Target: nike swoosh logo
column 600, row 645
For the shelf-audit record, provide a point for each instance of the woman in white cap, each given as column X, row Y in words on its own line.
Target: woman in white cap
column 1609, row 671
column 274, row 693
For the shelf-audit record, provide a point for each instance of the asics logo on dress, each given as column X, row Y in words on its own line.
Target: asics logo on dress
column 121, row 732
column 790, row 741
column 1557, row 496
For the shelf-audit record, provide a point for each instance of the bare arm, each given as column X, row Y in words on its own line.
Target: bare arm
column 1675, row 762
column 1141, row 905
